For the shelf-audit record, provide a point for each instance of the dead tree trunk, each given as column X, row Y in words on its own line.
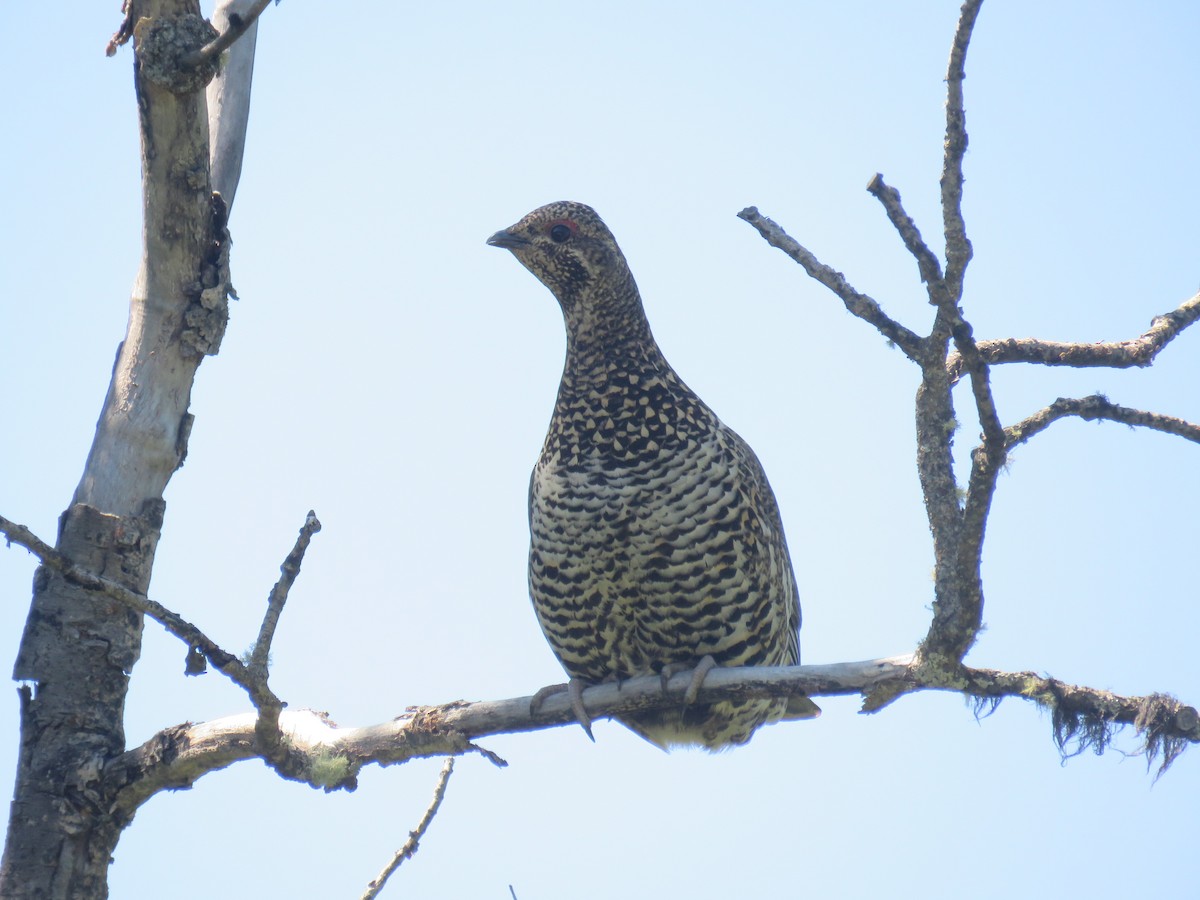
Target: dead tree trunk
column 78, row 649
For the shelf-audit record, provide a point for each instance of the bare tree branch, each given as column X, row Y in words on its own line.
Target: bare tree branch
column 956, row 616
column 941, row 296
column 175, row 624
column 958, row 594
column 1093, row 408
column 1140, row 351
column 981, row 388
column 330, row 757
column 252, row 677
column 958, row 608
column 958, row 530
column 857, row 303
column 927, row 262
column 957, row 533
column 290, row 569
column 323, row 755
column 958, row 247
column 957, row 620
column 1085, row 718
column 414, row 836
column 269, row 706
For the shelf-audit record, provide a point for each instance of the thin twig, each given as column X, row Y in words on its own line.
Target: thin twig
column 857, row 303
column 1139, row 351
column 238, row 25
column 265, row 700
column 414, row 837
column 289, row 569
column 1093, row 408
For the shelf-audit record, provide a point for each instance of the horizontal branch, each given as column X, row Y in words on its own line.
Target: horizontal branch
column 1093, row 408
column 330, row 757
column 1139, row 351
column 857, row 303
column 1086, row 718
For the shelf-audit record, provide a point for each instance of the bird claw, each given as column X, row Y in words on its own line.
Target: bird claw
column 574, row 689
column 575, row 694
column 699, row 673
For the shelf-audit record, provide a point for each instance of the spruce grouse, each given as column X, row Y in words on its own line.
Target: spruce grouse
column 656, row 542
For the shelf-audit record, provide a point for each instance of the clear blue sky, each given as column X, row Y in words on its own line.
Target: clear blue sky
column 388, row 369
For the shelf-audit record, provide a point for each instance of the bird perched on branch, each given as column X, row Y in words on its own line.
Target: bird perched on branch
column 656, row 542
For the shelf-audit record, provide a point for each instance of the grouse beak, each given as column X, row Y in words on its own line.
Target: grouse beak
column 506, row 240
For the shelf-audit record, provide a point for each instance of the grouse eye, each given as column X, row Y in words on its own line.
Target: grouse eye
column 559, row 233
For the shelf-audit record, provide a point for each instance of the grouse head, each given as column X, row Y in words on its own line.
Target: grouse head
column 568, row 248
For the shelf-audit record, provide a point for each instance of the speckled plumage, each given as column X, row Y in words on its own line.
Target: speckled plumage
column 655, row 536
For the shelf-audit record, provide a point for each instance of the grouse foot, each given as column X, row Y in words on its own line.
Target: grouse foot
column 574, row 689
column 699, row 673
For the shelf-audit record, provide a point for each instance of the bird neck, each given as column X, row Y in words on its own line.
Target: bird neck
column 606, row 322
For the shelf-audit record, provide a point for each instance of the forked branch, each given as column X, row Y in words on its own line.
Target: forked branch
column 856, row 302
column 251, row 676
column 958, row 523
